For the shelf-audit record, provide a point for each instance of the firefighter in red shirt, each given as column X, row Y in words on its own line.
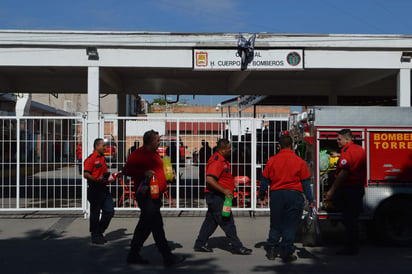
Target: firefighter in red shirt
column 349, row 188
column 98, row 194
column 219, row 183
column 142, row 164
column 288, row 177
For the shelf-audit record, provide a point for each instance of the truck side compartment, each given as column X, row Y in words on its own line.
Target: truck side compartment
column 386, row 135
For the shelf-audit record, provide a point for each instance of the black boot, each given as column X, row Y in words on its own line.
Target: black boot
column 271, row 252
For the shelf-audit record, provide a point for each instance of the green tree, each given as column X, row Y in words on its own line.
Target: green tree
column 159, row 100
column 162, row 100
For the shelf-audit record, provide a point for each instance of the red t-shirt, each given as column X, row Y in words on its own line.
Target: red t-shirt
column 353, row 159
column 219, row 168
column 141, row 160
column 286, row 170
column 95, row 164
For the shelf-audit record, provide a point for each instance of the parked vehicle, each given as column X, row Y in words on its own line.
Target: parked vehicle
column 386, row 135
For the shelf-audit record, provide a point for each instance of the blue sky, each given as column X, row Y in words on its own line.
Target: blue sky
column 272, row 16
column 292, row 16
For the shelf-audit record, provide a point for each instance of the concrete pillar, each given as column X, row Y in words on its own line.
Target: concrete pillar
column 93, row 108
column 404, row 87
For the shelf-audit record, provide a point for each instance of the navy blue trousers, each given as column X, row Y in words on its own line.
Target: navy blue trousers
column 214, row 219
column 150, row 221
column 100, row 200
column 352, row 198
column 286, row 208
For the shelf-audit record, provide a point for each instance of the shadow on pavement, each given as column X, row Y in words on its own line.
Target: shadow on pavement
column 35, row 254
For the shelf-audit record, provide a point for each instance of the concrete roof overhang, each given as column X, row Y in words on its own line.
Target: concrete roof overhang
column 357, row 69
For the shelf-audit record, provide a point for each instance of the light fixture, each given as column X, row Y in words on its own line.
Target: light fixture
column 92, row 53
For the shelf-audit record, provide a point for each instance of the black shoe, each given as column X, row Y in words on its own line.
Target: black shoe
column 242, row 251
column 289, row 258
column 98, row 240
column 203, row 248
column 271, row 253
column 348, row 251
column 173, row 260
column 133, row 259
column 104, row 239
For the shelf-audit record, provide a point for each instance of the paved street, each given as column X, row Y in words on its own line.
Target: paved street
column 55, row 243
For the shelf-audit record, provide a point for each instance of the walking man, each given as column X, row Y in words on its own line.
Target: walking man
column 288, row 176
column 219, row 183
column 98, row 194
column 142, row 165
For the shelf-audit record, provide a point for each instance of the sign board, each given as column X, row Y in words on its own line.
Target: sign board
column 390, row 156
column 228, row 59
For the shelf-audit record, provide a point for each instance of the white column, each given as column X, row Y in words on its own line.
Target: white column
column 93, row 107
column 404, row 87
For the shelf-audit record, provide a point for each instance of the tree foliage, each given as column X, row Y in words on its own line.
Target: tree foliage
column 159, row 100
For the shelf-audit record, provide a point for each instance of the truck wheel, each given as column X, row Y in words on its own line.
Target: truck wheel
column 393, row 222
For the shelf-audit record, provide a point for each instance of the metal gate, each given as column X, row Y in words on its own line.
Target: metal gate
column 190, row 142
column 39, row 169
column 40, row 166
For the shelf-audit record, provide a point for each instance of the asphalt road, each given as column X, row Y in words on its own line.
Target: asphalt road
column 53, row 243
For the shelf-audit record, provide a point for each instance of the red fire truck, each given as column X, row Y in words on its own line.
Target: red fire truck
column 386, row 135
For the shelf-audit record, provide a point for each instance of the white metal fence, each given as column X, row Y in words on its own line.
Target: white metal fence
column 38, row 163
column 40, row 168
